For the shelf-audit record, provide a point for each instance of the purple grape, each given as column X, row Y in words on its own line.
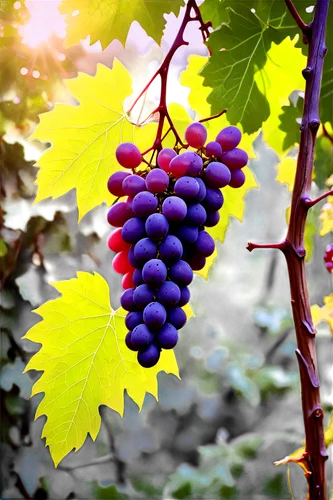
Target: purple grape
column 154, row 315
column 217, row 174
column 157, row 181
column 137, row 277
column 164, row 158
column 119, row 214
column 213, row 149
column 143, row 295
column 197, row 262
column 133, row 319
column 126, row 300
column 235, row 158
column 212, row 219
column 132, row 259
column 188, row 234
column 171, row 249
column 195, row 164
column 177, row 317
column 115, row 183
column 205, row 244
column 169, row 294
column 237, row 178
column 149, row 357
column 157, row 226
column 128, row 155
column 181, row 273
column 196, row 135
column 229, row 138
column 213, row 200
column 145, row 250
column 154, row 273
column 144, row 204
column 129, row 343
column 133, row 184
column 174, row 208
column 187, row 187
column 184, row 296
column 133, row 230
column 196, row 214
column 142, row 336
column 202, row 190
column 167, row 337
column 178, row 166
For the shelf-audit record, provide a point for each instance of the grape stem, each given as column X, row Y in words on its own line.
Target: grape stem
column 310, row 203
column 162, row 72
column 315, row 456
column 213, row 116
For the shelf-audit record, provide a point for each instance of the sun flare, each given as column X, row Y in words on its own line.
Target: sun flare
column 45, row 20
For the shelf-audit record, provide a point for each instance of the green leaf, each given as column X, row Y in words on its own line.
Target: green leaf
column 105, row 20
column 290, row 119
column 86, row 363
column 85, row 138
column 239, row 51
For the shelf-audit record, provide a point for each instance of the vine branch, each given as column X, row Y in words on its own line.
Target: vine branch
column 313, row 460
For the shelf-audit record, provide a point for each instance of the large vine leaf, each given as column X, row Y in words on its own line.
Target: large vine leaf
column 105, row 20
column 239, row 52
column 85, row 363
column 85, row 137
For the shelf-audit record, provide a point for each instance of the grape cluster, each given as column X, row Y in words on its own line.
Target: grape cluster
column 160, row 237
column 328, row 258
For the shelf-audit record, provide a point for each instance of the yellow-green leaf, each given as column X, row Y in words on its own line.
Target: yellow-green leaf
column 286, row 172
column 84, row 138
column 85, row 363
column 324, row 313
column 326, row 216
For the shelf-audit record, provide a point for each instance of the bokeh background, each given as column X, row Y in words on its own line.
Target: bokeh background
column 215, row 433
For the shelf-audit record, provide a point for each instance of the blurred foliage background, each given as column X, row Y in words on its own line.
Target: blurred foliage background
column 215, row 433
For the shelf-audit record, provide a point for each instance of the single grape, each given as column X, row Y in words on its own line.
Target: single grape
column 154, row 315
column 133, row 230
column 205, row 244
column 178, row 166
column 132, row 259
column 143, row 295
column 154, row 272
column 133, row 319
column 229, row 138
column 145, row 250
column 127, row 281
column 164, row 158
column 119, row 213
column 212, row 219
column 149, row 357
column 128, row 155
column 142, row 336
column 197, row 262
column 115, row 183
column 213, row 149
column 137, row 277
column 184, row 296
column 177, row 317
column 144, row 204
column 126, row 300
column 188, row 234
column 133, row 184
column 129, row 343
column 167, row 337
column 171, row 249
column 217, row 174
column 169, row 294
column 328, row 258
column 213, row 200
column 116, row 242
column 174, row 208
column 196, row 214
column 235, row 158
column 157, row 226
column 195, row 164
column 196, row 135
column 237, row 178
column 181, row 273
column 202, row 190
column 120, row 262
column 157, row 181
column 187, row 188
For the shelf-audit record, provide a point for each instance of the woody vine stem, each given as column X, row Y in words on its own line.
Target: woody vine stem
column 313, row 460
